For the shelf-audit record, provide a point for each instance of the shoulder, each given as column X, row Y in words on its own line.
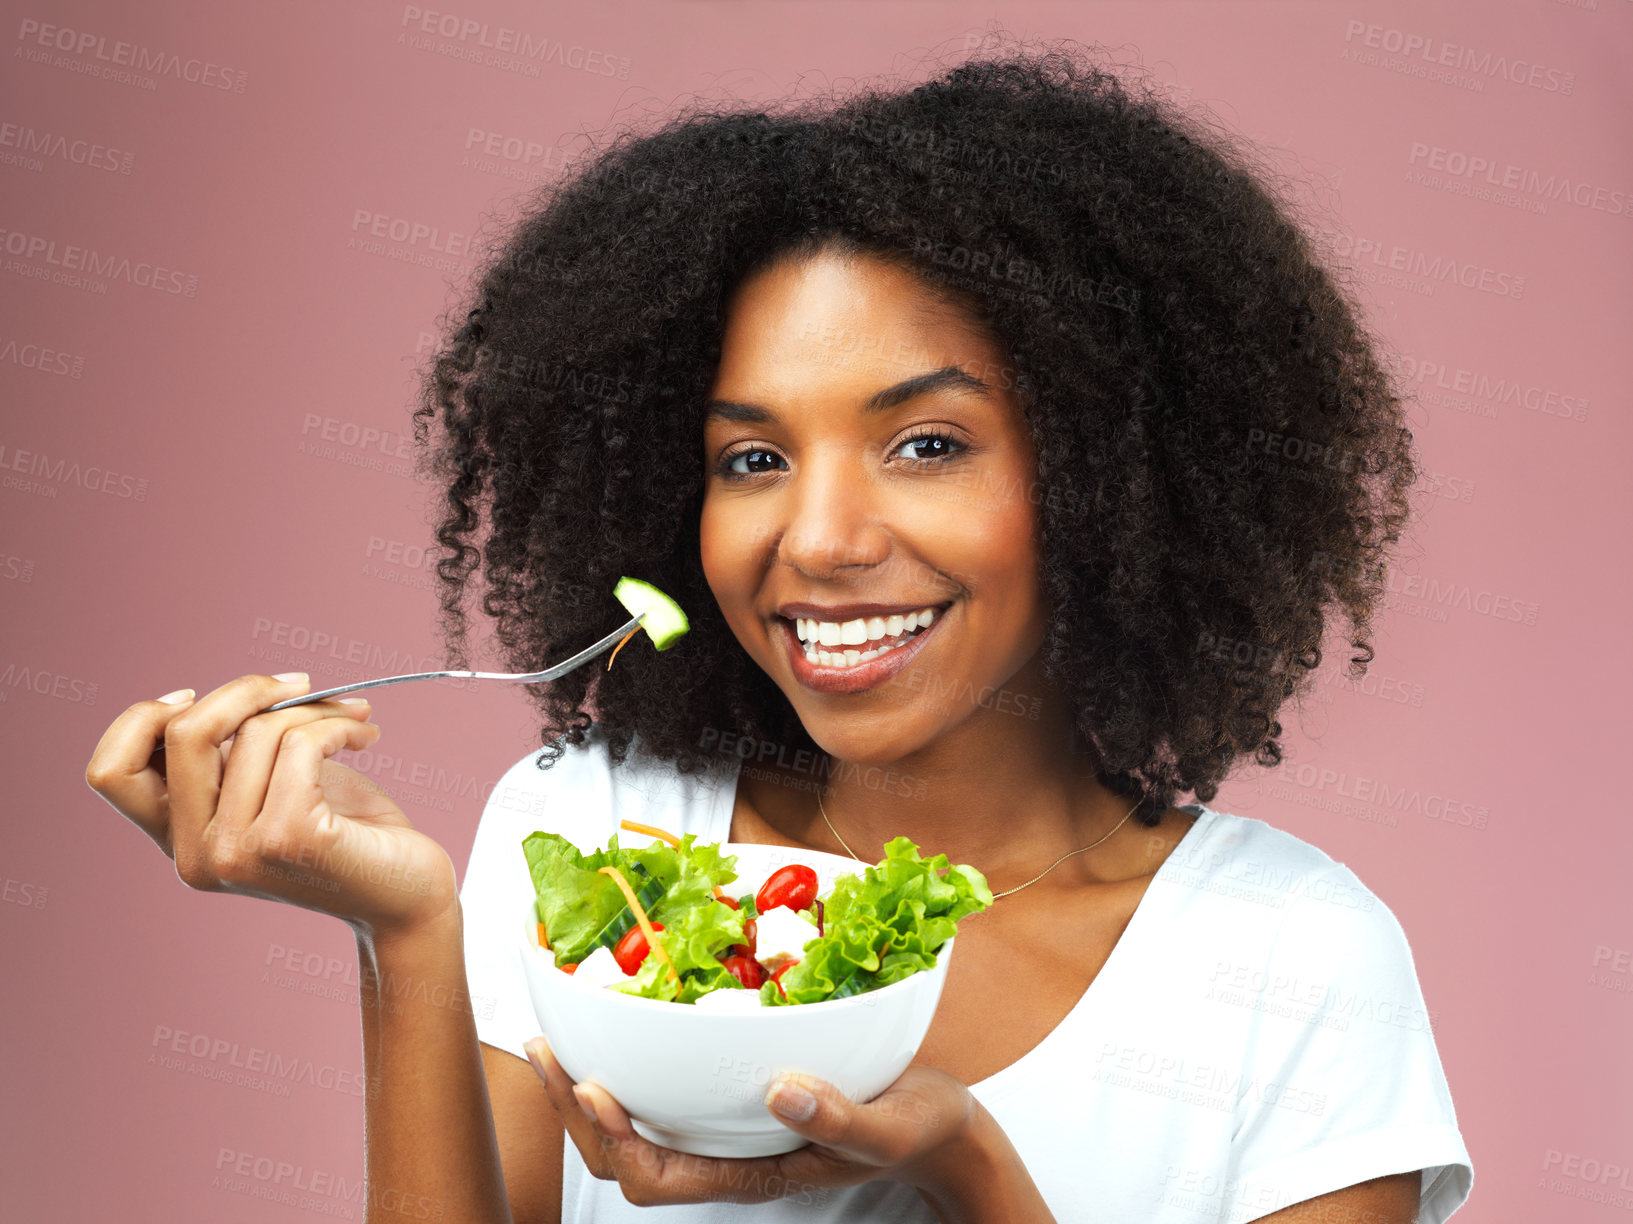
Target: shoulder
column 1309, row 905
column 1250, row 860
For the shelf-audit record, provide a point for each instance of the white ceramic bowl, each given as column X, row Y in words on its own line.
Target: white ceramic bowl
column 694, row 1079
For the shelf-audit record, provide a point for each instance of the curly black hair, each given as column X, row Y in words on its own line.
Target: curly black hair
column 1221, row 455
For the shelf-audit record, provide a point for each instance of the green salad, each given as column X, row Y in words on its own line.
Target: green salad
column 865, row 933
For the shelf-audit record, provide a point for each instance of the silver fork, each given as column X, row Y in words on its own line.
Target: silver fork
column 549, row 673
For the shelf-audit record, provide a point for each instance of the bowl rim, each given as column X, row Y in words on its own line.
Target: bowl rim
column 531, row 945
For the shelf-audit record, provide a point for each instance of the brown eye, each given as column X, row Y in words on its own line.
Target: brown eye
column 945, row 441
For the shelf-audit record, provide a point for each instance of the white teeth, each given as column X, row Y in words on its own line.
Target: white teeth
column 857, row 632
column 862, row 630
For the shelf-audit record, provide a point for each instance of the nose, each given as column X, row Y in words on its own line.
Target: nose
column 832, row 517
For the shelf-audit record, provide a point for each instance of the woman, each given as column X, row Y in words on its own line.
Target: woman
column 1026, row 356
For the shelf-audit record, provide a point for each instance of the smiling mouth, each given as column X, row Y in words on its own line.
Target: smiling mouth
column 841, row 658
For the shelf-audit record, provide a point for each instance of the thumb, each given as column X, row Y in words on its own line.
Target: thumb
column 794, row 1098
column 923, row 1109
column 819, row 1111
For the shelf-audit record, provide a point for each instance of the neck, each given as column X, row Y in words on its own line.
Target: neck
column 999, row 790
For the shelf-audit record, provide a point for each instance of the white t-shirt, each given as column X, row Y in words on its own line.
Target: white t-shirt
column 1256, row 1038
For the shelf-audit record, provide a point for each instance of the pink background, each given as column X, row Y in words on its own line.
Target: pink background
column 190, row 518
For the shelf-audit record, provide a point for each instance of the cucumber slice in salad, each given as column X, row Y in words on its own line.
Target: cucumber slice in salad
column 665, row 623
column 648, row 895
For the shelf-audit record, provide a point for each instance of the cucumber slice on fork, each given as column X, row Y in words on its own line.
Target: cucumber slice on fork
column 665, row 623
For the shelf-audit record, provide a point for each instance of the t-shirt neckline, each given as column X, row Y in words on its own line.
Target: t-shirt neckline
column 1004, row 1078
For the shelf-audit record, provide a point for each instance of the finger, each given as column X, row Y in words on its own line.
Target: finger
column 293, row 794
column 122, row 769
column 902, row 1123
column 193, row 766
column 558, row 1087
column 652, row 1175
column 248, row 771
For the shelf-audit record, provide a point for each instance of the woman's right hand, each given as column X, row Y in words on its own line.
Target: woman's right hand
column 268, row 815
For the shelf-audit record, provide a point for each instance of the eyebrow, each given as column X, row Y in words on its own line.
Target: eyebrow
column 947, row 378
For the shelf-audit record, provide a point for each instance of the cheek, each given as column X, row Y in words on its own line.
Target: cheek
column 992, row 534
column 726, row 545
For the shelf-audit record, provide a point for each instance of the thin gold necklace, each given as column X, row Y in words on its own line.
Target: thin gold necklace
column 1006, row 893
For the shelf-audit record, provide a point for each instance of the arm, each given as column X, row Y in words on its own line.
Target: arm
column 532, row 1138
column 1392, row 1199
column 246, row 801
column 431, row 1146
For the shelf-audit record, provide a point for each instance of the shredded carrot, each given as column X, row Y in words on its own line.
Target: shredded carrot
column 640, row 917
column 544, row 940
column 651, row 830
column 620, row 646
column 664, row 834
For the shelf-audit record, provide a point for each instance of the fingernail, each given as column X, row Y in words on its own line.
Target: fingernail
column 291, row 677
column 792, row 1101
column 354, row 701
column 179, row 697
column 583, row 1099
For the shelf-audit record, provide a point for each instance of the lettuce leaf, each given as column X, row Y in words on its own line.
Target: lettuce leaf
column 882, row 926
column 576, row 901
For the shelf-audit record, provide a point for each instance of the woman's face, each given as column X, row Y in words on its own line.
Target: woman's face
column 826, row 487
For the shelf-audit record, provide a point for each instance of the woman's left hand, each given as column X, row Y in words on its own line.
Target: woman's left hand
column 908, row 1133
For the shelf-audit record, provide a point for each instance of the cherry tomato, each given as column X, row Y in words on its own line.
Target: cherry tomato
column 731, row 901
column 746, row 970
column 631, row 950
column 794, row 886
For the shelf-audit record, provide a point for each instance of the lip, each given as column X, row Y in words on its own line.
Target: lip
column 858, row 611
column 867, row 675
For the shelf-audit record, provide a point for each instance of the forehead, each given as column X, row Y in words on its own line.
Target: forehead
column 852, row 327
